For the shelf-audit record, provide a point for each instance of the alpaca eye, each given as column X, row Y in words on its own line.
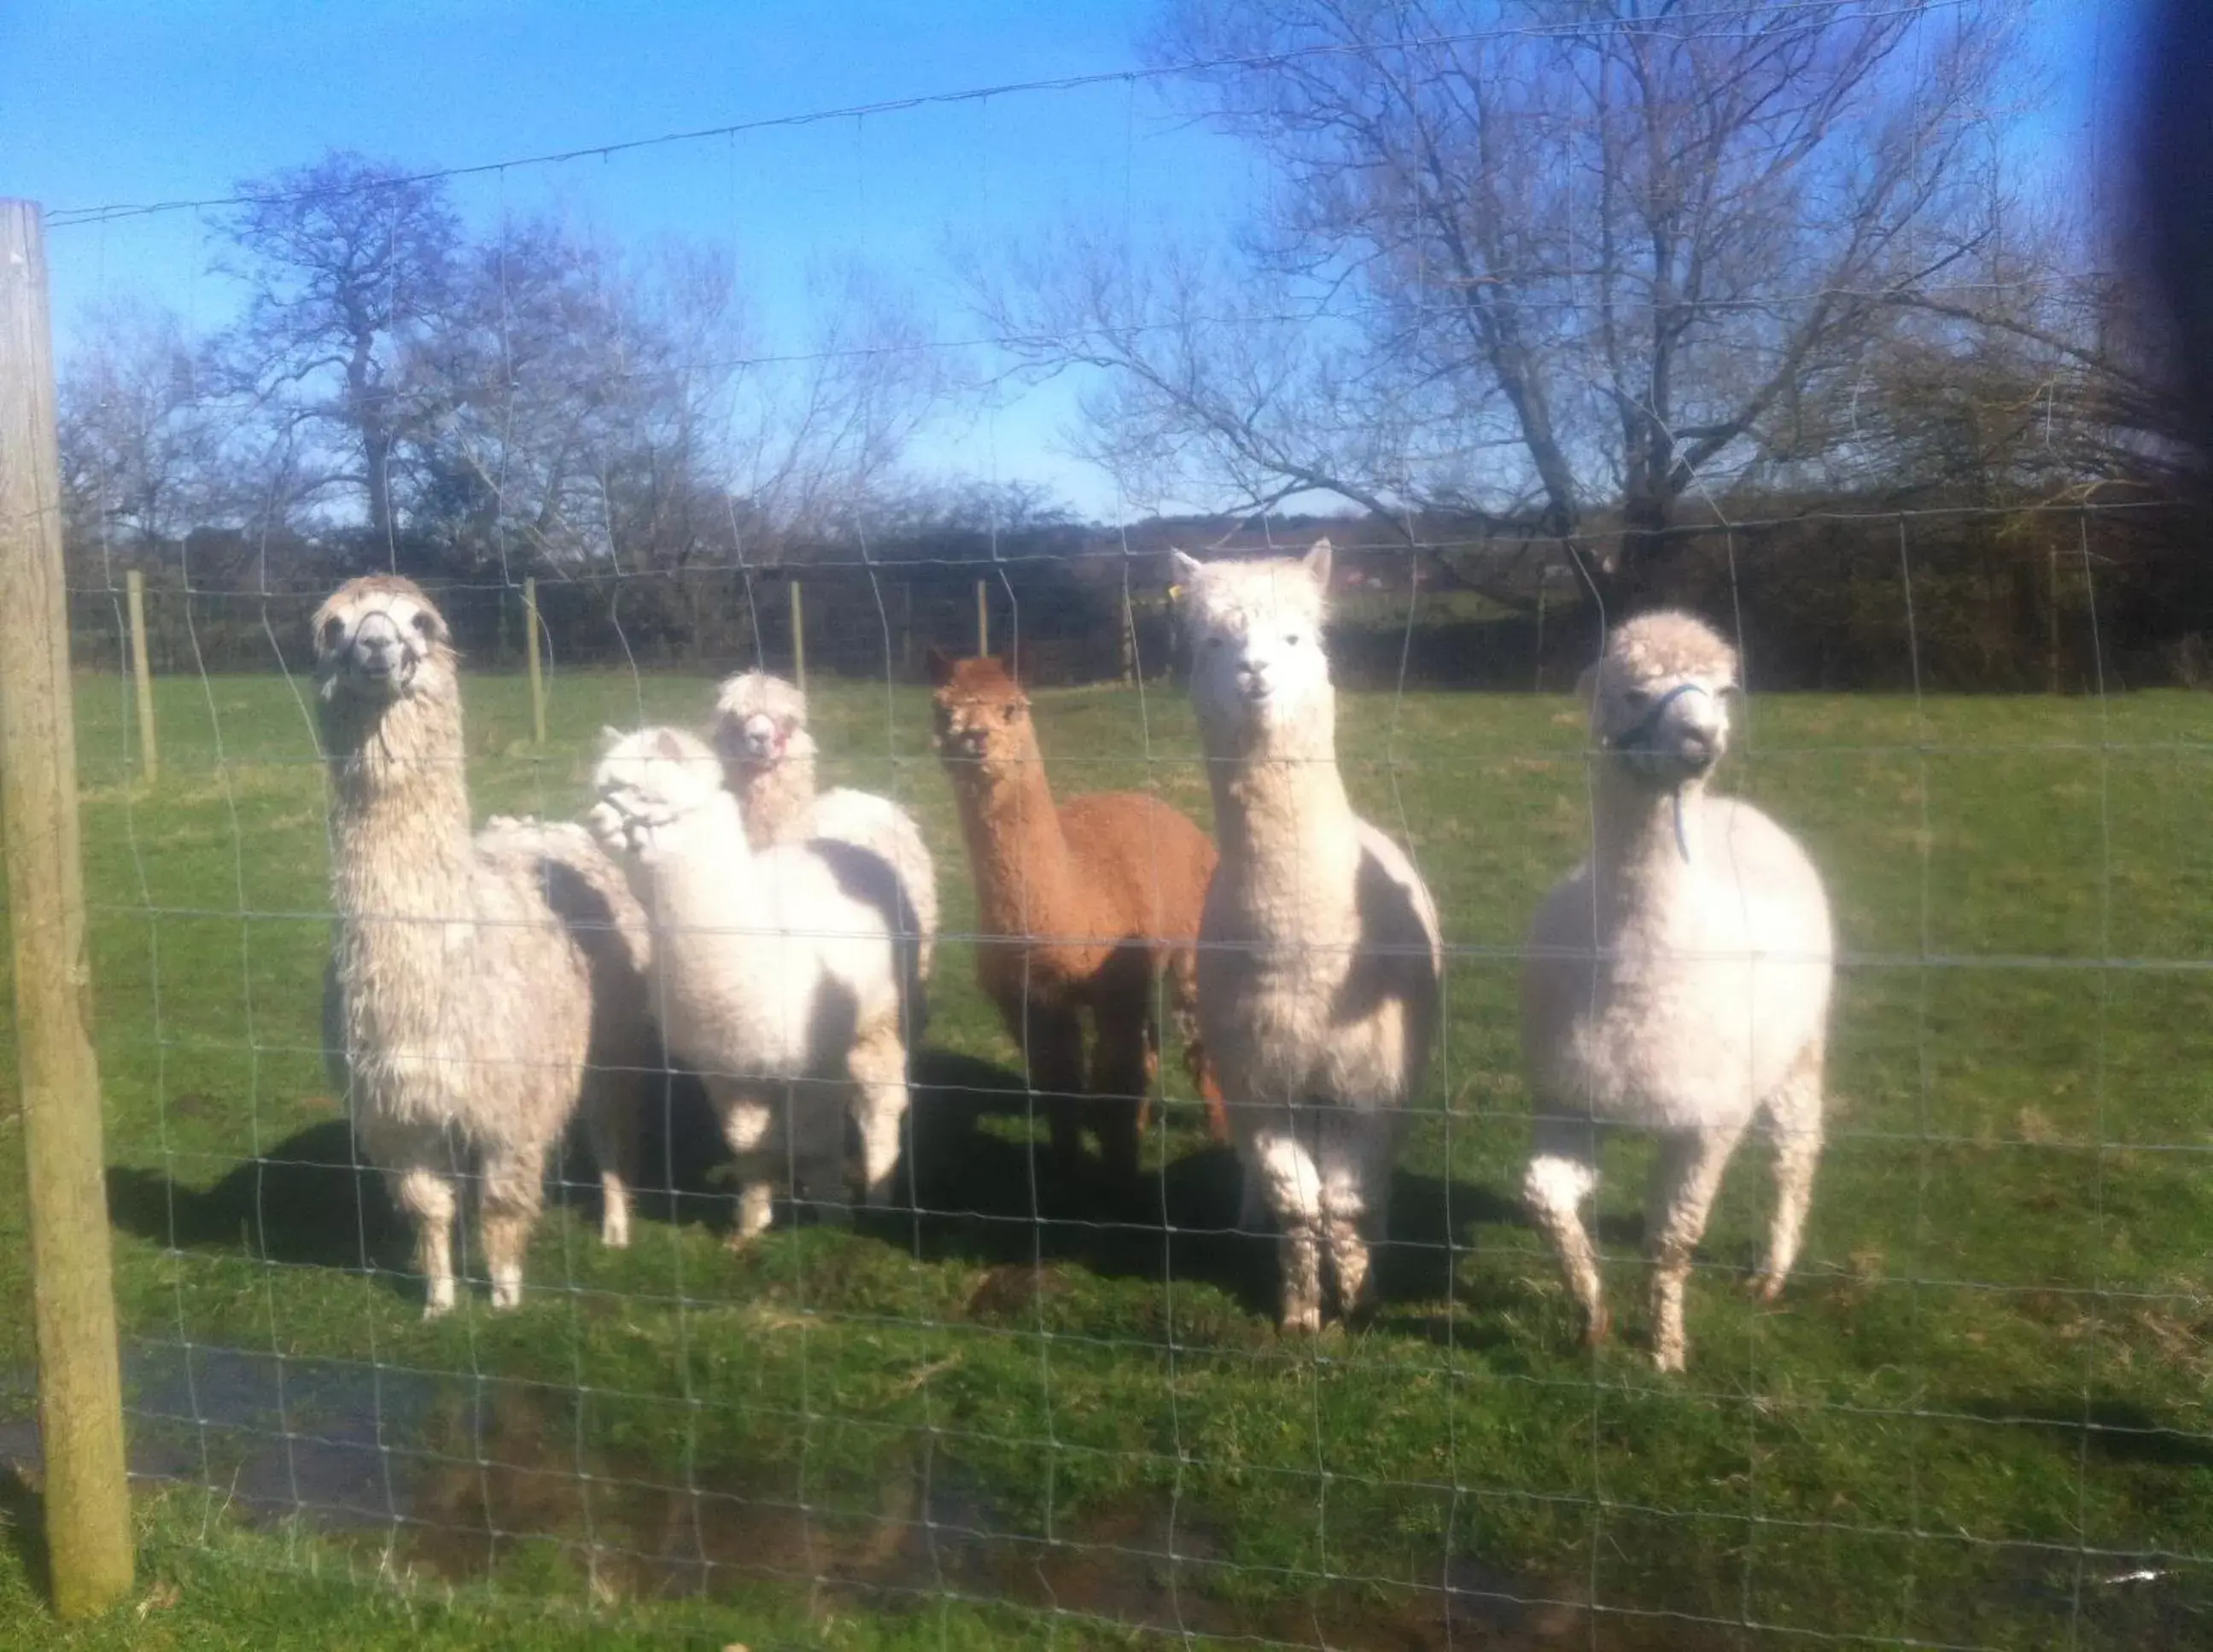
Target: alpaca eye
column 1214, row 642
column 1636, row 699
column 1008, row 713
column 1292, row 637
column 425, row 625
column 333, row 632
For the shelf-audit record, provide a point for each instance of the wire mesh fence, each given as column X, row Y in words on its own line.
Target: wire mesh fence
column 1036, row 1390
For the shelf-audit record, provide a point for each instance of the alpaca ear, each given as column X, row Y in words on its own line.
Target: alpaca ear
column 1182, row 570
column 667, row 746
column 610, row 737
column 1316, row 562
column 938, row 664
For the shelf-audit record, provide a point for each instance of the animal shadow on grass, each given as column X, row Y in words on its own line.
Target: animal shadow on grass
column 305, row 1200
column 965, row 1192
column 979, row 1196
column 2120, row 1430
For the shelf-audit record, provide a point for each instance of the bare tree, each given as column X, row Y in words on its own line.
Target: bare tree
column 818, row 433
column 1544, row 266
column 140, row 447
column 349, row 266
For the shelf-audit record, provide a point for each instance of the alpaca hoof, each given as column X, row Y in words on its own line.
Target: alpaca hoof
column 1600, row 1328
column 1764, row 1286
column 1668, row 1359
column 614, row 1233
column 438, row 1300
column 1302, row 1321
column 506, row 1294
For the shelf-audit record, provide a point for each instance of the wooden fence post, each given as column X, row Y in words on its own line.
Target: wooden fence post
column 537, row 674
column 141, row 669
column 798, row 639
column 88, row 1503
column 983, row 621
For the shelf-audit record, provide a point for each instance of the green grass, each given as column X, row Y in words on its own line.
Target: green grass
column 1983, row 1398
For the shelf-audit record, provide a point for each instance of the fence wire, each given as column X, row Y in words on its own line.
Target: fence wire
column 1034, row 1400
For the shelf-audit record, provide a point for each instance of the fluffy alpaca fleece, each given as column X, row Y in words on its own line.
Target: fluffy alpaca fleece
column 768, row 760
column 780, row 975
column 1319, row 956
column 1082, row 908
column 1678, row 981
column 480, row 987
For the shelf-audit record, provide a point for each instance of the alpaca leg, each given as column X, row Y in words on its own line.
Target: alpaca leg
column 816, row 1129
column 1684, row 1184
column 514, row 1188
column 1053, row 1053
column 1348, row 1172
column 748, row 1121
column 611, row 1119
column 1794, row 1114
column 428, row 1196
column 1183, row 1008
column 1563, row 1171
column 1122, row 1068
column 1288, row 1181
column 879, row 1067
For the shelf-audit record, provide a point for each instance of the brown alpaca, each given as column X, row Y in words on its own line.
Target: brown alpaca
column 1082, row 906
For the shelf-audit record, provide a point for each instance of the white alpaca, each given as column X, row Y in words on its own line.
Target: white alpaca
column 480, row 988
column 1319, row 953
column 1678, row 981
column 781, row 975
column 768, row 760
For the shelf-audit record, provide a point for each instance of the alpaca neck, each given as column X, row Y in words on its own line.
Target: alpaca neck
column 778, row 799
column 1015, row 846
column 1284, row 820
column 1646, row 841
column 400, row 811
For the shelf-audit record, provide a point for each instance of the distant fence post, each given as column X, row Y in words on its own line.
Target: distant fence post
column 88, row 1503
column 983, row 621
column 141, row 669
column 1129, row 639
column 798, row 638
column 537, row 674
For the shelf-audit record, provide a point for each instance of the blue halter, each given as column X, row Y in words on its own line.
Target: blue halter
column 1638, row 735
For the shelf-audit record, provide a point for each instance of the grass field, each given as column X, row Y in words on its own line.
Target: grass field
column 1977, row 1416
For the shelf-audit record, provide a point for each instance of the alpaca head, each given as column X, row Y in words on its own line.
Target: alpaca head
column 983, row 717
column 1659, row 698
column 378, row 640
column 1257, row 665
column 648, row 778
column 759, row 721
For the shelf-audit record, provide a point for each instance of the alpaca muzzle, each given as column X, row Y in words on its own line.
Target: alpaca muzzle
column 1690, row 750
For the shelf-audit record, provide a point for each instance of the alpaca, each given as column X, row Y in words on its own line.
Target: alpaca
column 1677, row 981
column 1320, row 957
column 1082, row 906
column 768, row 760
column 480, row 988
column 782, row 975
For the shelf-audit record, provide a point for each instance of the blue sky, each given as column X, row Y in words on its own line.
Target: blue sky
column 106, row 100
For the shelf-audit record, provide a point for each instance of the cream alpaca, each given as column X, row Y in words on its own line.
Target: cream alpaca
column 1678, row 981
column 781, row 975
column 480, row 987
column 1319, row 954
column 768, row 760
